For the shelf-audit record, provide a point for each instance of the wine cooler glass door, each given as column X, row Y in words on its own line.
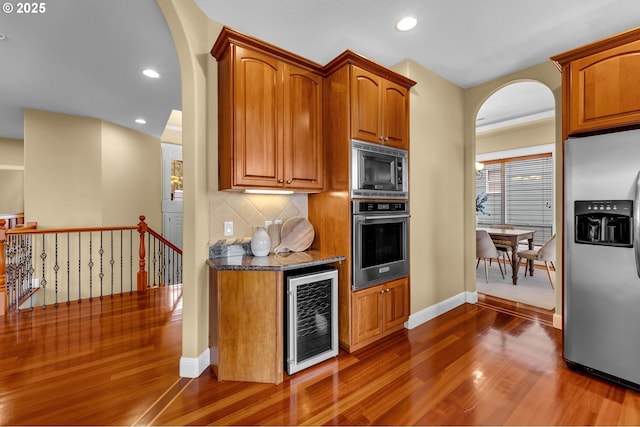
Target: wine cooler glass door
column 312, row 321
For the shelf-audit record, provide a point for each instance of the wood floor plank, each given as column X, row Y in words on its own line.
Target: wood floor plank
column 114, row 361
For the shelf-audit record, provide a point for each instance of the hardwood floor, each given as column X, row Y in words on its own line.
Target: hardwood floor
column 115, row 362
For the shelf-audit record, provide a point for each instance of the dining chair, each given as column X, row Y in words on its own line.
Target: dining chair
column 503, row 246
column 546, row 253
column 486, row 249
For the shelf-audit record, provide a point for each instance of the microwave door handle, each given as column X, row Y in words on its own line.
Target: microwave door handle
column 636, row 224
column 370, row 218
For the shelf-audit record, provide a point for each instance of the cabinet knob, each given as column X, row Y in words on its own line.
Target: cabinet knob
column 386, row 138
column 288, row 181
column 382, row 292
column 387, row 290
column 381, row 138
column 280, row 181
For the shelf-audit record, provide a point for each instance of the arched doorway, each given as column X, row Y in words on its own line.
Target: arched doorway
column 515, row 182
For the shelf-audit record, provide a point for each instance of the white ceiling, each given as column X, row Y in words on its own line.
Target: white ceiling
column 84, row 57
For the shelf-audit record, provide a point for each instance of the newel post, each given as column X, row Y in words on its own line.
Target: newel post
column 142, row 274
column 4, row 302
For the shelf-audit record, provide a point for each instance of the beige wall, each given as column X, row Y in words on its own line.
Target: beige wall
column 11, row 175
column 131, row 175
column 530, row 134
column 11, row 152
column 62, row 164
column 436, row 187
column 83, row 172
column 547, row 74
column 194, row 34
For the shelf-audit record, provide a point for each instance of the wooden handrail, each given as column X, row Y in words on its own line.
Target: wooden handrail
column 160, row 237
column 27, row 230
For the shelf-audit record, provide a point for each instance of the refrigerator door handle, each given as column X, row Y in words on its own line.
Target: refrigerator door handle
column 636, row 224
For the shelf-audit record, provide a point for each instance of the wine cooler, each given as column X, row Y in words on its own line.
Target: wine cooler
column 311, row 322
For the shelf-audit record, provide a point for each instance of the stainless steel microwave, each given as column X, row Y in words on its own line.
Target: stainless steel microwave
column 378, row 172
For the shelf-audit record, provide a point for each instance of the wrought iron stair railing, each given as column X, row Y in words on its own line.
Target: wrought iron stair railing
column 41, row 267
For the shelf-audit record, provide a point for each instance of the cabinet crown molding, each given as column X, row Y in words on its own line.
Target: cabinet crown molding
column 620, row 39
column 229, row 36
column 351, row 57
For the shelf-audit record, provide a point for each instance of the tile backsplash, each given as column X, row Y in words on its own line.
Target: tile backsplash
column 247, row 211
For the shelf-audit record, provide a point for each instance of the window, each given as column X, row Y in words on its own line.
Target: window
column 176, row 180
column 519, row 192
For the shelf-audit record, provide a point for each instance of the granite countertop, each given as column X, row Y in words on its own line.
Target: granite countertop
column 275, row 262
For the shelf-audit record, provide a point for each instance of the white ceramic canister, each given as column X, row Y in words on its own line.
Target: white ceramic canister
column 260, row 242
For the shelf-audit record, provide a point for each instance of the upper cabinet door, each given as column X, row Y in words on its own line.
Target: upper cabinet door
column 379, row 110
column 303, row 145
column 605, row 89
column 366, row 106
column 395, row 124
column 257, row 99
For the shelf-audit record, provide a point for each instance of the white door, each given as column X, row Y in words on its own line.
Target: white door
column 172, row 193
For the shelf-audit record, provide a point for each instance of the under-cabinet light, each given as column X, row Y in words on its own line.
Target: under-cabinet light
column 268, row 191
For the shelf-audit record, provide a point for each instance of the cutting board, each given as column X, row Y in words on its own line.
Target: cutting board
column 296, row 235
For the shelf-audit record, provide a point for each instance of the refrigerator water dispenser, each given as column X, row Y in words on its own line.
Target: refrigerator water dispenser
column 604, row 222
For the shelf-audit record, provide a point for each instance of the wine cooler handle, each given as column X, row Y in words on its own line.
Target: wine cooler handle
column 636, row 224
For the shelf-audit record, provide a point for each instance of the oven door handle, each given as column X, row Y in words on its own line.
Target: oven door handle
column 370, row 218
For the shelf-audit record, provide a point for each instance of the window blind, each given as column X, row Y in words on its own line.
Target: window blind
column 519, row 192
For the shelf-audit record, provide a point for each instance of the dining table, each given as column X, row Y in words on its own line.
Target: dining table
column 512, row 237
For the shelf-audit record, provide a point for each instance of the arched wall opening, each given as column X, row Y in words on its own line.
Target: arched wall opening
column 548, row 75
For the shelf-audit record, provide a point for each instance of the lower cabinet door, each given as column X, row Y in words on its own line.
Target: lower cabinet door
column 395, row 303
column 367, row 306
column 379, row 309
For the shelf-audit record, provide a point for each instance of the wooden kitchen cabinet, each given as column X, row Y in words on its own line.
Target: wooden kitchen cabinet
column 270, row 117
column 379, row 311
column 379, row 109
column 601, row 84
column 358, row 93
column 246, row 325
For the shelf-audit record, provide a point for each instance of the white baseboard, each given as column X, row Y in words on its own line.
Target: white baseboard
column 442, row 307
column 192, row 367
column 557, row 321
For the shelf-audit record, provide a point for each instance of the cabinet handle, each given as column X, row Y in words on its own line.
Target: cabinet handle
column 382, row 292
column 289, row 181
column 381, row 138
column 280, row 181
column 388, row 290
column 386, row 138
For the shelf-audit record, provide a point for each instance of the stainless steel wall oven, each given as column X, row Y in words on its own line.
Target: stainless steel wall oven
column 380, row 242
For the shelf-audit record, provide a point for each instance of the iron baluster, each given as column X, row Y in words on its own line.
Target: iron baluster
column 56, row 267
column 43, row 282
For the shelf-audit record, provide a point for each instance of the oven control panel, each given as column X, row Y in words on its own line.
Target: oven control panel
column 380, row 207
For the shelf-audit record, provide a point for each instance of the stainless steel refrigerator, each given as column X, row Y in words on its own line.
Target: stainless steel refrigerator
column 602, row 255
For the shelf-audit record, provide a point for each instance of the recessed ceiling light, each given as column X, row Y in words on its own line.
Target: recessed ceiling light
column 406, row 23
column 151, row 73
column 141, row 121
